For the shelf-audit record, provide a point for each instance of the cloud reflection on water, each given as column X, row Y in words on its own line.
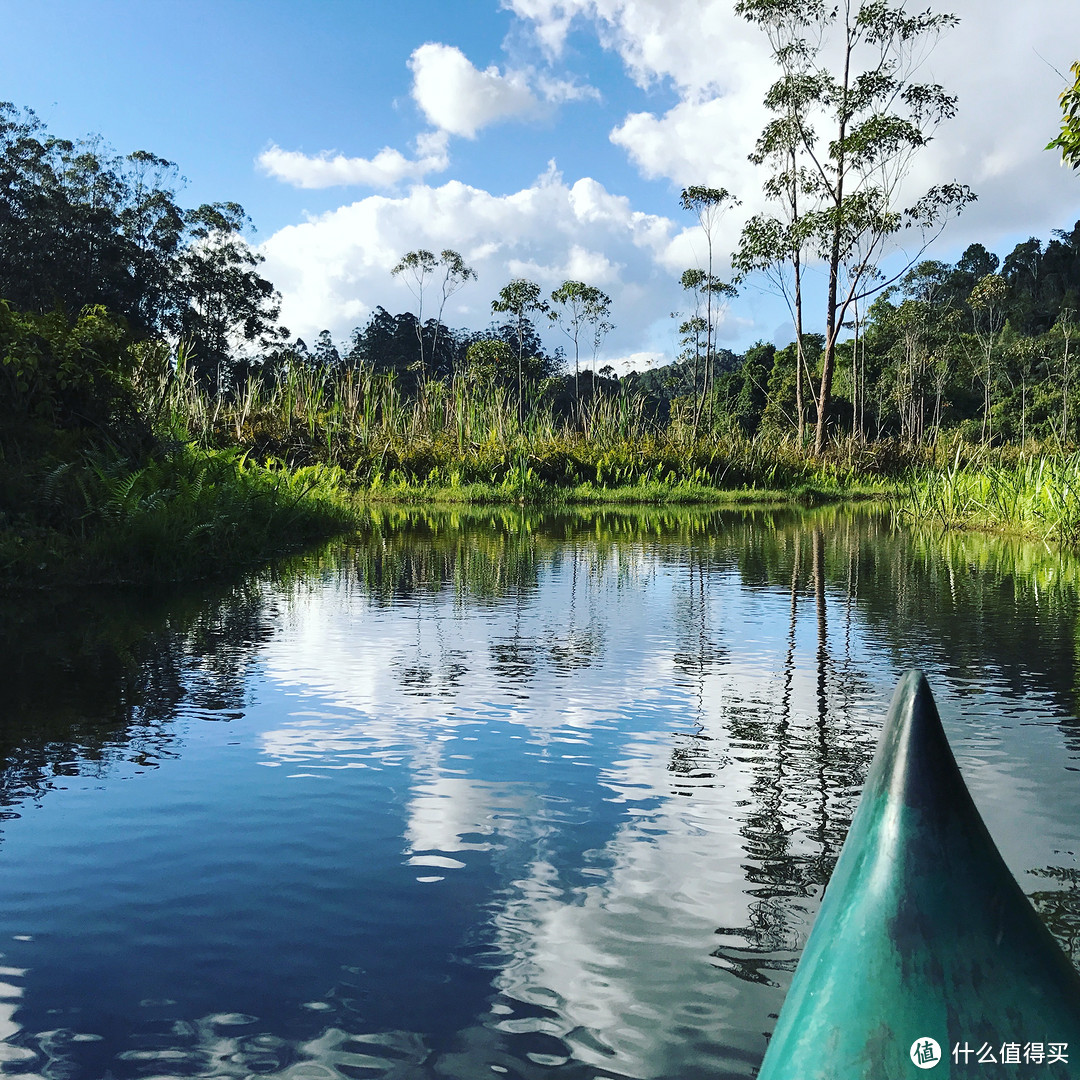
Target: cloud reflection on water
column 617, row 970
column 619, row 773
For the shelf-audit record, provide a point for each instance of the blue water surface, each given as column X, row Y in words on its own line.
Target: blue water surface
column 515, row 795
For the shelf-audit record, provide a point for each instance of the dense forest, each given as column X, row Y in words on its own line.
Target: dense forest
column 92, row 243
column 151, row 400
column 984, row 345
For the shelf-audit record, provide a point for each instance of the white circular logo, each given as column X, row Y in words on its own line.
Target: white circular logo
column 925, row 1052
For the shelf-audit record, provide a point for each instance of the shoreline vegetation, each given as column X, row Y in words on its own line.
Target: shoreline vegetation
column 126, row 468
column 185, row 482
column 172, row 481
column 121, row 465
column 158, row 423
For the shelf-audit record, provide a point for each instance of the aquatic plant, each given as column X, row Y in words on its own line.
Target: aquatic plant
column 1033, row 493
column 192, row 513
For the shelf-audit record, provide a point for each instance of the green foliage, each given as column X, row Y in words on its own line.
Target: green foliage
column 186, row 515
column 577, row 307
column 225, row 305
column 986, row 346
column 780, row 414
column 488, row 360
column 416, row 267
column 847, row 118
column 705, row 202
column 1068, row 140
column 81, row 226
column 149, row 399
column 520, row 298
column 66, row 372
column 1033, row 494
column 753, row 394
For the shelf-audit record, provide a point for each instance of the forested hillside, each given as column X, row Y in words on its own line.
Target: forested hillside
column 151, row 398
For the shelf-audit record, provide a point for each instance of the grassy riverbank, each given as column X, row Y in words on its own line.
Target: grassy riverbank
column 192, row 512
column 127, row 468
column 530, row 491
column 103, row 477
column 465, row 441
column 1034, row 494
column 189, row 513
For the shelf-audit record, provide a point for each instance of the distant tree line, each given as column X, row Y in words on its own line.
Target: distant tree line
column 390, row 344
column 987, row 345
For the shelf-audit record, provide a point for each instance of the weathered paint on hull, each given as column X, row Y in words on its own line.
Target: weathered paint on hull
column 923, row 932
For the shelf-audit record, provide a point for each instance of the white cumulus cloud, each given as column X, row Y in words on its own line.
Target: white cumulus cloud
column 385, row 170
column 712, row 70
column 458, row 97
column 334, row 270
column 999, row 62
column 700, row 45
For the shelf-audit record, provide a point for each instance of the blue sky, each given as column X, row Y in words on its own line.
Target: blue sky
column 541, row 138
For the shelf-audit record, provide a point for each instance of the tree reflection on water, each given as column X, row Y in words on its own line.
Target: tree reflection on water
column 704, row 687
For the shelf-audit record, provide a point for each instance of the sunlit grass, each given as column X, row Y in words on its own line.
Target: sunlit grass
column 231, row 477
column 190, row 514
column 1035, row 494
column 463, row 439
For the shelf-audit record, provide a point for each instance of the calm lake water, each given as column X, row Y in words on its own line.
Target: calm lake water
column 495, row 795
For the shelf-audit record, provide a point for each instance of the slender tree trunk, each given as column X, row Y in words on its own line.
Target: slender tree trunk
column 699, row 408
column 831, row 329
column 435, row 340
column 862, row 392
column 796, row 258
column 855, row 380
column 800, row 363
column 708, row 322
column 420, row 341
column 828, row 365
column 521, row 398
column 577, row 388
column 1065, row 393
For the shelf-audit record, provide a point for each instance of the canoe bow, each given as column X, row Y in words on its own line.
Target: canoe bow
column 924, row 933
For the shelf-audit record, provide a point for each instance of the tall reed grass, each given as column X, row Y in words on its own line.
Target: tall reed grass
column 1037, row 494
column 464, row 439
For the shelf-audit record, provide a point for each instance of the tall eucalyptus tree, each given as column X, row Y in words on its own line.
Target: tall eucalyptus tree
column 416, row 267
column 850, row 116
column 455, row 275
column 987, row 302
column 707, row 204
column 576, row 307
column 153, row 225
column 520, row 298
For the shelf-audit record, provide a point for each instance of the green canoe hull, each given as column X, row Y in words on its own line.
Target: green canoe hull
column 923, row 934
